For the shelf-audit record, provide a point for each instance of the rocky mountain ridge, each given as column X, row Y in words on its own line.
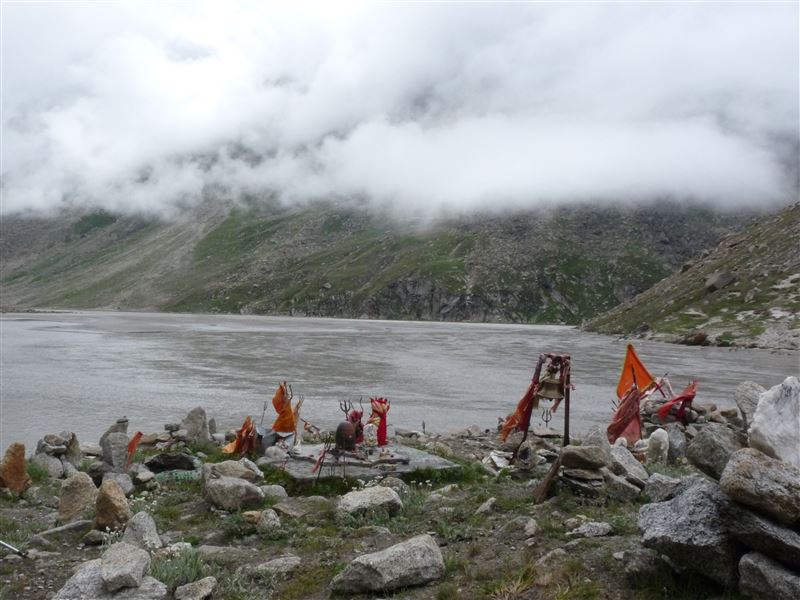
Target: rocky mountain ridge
column 744, row 292
column 563, row 265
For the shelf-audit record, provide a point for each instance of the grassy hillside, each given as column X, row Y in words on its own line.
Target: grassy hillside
column 556, row 266
column 745, row 292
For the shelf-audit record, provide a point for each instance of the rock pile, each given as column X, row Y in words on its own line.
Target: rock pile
column 745, row 531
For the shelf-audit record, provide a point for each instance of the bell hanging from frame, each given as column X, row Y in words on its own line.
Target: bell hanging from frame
column 551, row 388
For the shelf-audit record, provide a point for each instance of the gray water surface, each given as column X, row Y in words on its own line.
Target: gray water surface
column 80, row 371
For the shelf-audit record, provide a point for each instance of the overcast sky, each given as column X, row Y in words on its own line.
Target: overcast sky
column 422, row 107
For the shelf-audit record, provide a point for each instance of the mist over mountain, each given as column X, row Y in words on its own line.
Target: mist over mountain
column 416, row 109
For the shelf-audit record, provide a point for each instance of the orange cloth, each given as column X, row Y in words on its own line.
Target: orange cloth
column 524, row 409
column 626, row 421
column 633, row 368
column 285, row 423
column 245, row 439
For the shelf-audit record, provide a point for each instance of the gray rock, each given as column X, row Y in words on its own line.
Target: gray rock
column 520, row 528
column 123, row 566
column 73, row 452
column 624, row 463
column 299, row 507
column 96, row 471
column 763, row 535
column 197, row 590
column 121, row 426
column 274, row 492
column 746, row 397
column 397, row 484
column 90, row 449
column 241, row 469
column 592, row 529
column 710, row 449
column 583, row 457
column 230, row 493
column 486, row 507
column 776, row 423
column 196, row 425
column 224, row 555
column 123, row 479
column 77, row 498
column 115, row 450
column 662, row 487
column 762, row 577
column 583, row 474
column 69, row 468
column 677, row 444
column 768, row 485
column 281, row 566
column 50, row 464
column 618, row 487
column 644, row 566
column 370, row 499
column 268, row 521
column 414, row 562
column 718, row 280
column 596, row 437
column 64, row 532
column 212, row 426
column 141, row 532
column 658, row 447
column 690, row 529
column 87, row 582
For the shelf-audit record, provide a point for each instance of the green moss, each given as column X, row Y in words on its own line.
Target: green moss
column 95, row 220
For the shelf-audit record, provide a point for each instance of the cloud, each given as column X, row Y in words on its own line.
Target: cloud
column 419, row 107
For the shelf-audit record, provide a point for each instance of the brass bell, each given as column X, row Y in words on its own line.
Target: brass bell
column 550, row 388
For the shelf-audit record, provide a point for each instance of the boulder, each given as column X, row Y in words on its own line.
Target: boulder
column 281, row 566
column 197, row 590
column 618, row 488
column 123, row 566
column 368, row 500
column 123, row 479
column 520, row 528
column 677, row 444
column 274, row 492
column 644, row 567
column 776, row 423
column 658, row 447
column 763, row 535
column 691, row 531
column 583, row 457
column 746, row 397
column 121, row 426
column 762, row 577
column 14, row 470
column 87, row 582
column 625, row 464
column 662, row 487
column 397, row 484
column 115, row 450
column 268, row 521
column 591, row 529
column 299, row 507
column 718, row 280
column 73, row 450
column 141, row 531
column 231, row 493
column 77, row 498
column 97, row 470
column 111, row 508
column 710, row 449
column 768, row 485
column 170, row 461
column 596, row 437
column 196, row 426
column 241, row 469
column 50, row 464
column 416, row 561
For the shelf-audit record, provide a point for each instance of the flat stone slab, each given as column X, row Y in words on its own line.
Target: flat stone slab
column 359, row 465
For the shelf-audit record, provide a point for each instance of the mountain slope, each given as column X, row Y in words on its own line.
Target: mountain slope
column 746, row 292
column 564, row 265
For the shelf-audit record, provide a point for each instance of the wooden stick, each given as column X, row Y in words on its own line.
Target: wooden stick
column 542, row 491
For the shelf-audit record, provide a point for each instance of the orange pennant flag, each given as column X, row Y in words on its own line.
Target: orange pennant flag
column 633, row 370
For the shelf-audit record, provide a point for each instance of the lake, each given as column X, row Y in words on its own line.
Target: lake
column 80, row 371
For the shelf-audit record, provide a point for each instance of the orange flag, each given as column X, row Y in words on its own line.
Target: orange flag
column 633, row 368
column 285, row 423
